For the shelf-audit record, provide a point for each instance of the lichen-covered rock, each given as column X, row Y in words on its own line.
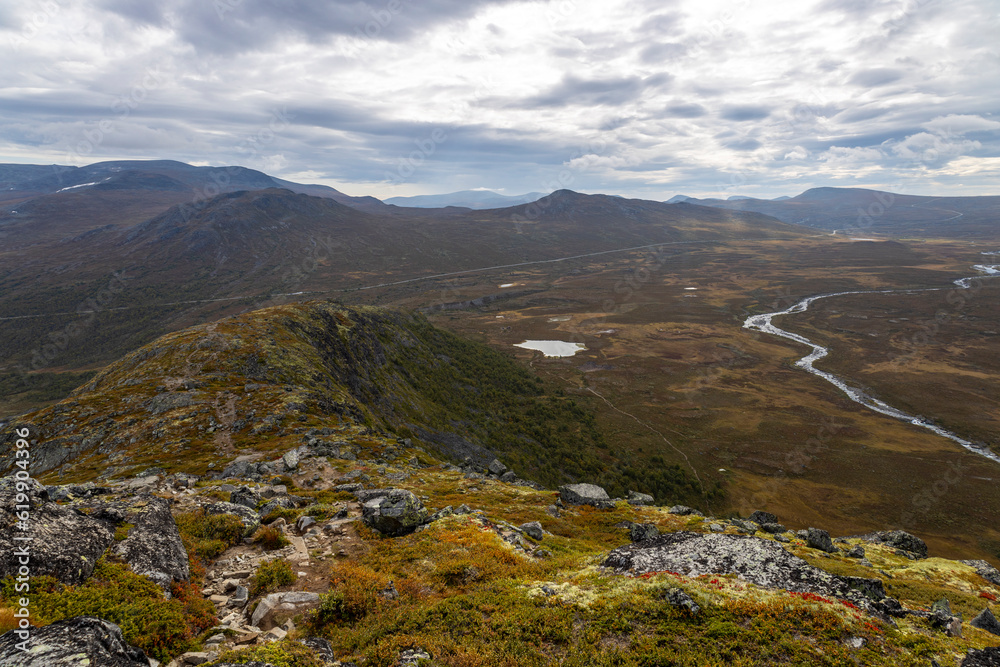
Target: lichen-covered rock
column 249, row 518
column 65, row 543
column 898, row 539
column 75, row 642
column 290, row 460
column 987, row 657
column 761, row 517
column 640, row 499
column 759, row 561
column 676, row 597
column 820, row 539
column 985, row 570
column 397, row 513
column 321, row 648
column 153, row 546
column 584, row 494
column 245, row 496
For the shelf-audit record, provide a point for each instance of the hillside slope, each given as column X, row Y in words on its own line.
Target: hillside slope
column 256, row 383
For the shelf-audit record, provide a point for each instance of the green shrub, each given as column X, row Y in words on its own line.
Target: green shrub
column 271, row 576
column 271, row 538
column 279, row 654
column 208, row 535
column 162, row 628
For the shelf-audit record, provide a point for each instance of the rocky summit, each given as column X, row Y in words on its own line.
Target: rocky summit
column 284, row 490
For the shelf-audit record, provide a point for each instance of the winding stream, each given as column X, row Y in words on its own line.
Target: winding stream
column 764, row 324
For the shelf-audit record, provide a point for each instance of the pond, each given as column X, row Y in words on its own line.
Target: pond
column 553, row 348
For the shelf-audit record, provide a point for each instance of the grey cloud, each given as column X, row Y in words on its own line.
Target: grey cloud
column 658, row 53
column 745, row 112
column 573, row 90
column 687, row 110
column 234, row 26
column 873, row 78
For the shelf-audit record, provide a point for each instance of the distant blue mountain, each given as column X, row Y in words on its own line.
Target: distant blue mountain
column 476, row 199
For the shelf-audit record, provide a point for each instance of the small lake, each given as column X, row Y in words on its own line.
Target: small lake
column 553, row 348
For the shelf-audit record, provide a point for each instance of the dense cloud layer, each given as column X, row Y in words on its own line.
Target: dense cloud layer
column 637, row 97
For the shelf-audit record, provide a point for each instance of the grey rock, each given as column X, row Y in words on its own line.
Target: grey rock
column 942, row 607
column 389, row 592
column 303, row 523
column 781, row 538
column 72, row 643
column 638, row 532
column 288, row 604
column 987, row 657
column 349, row 488
column 496, row 468
column 249, row 518
column 759, row 561
column 153, row 547
column 321, row 648
column 583, row 494
column 773, row 528
column 412, row 657
column 533, row 529
column 364, row 495
column 748, row 527
column 290, row 460
column 240, row 596
column 676, row 597
column 985, row 620
column 898, row 539
column 820, row 539
column 761, row 517
column 889, row 607
column 552, row 510
column 985, row 570
column 65, row 544
column 716, row 528
column 684, row 510
column 857, row 551
column 277, row 503
column 397, row 513
column 245, row 496
column 508, row 477
column 637, row 498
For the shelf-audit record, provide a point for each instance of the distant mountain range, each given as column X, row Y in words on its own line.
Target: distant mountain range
column 474, row 199
column 858, row 211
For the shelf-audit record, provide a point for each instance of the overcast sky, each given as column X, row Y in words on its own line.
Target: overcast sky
column 645, row 98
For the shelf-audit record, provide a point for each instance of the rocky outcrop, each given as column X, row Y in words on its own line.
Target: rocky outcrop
column 245, row 496
column 640, row 499
column 898, row 539
column 65, row 543
column 153, row 544
column 397, row 513
column 684, row 510
column 761, row 562
column 584, row 494
column 75, row 642
column 985, row 570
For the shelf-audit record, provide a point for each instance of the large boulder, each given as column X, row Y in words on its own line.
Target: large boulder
column 73, row 642
column 153, row 545
column 397, row 513
column 898, row 539
column 761, row 562
column 65, row 543
column 245, row 496
column 820, row 539
column 249, row 518
column 637, row 498
column 278, row 607
column 985, row 620
column 584, row 494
